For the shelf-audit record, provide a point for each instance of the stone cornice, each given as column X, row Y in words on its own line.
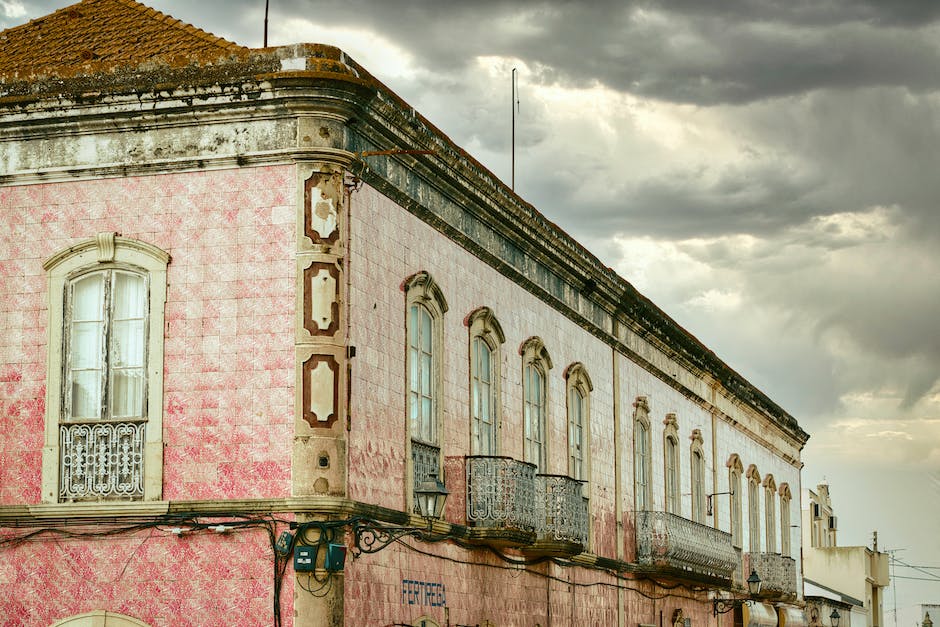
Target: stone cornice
column 537, row 254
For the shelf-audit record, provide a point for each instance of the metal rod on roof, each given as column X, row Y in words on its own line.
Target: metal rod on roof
column 266, row 23
column 515, row 105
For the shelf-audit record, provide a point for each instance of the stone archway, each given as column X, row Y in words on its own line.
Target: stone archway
column 100, row 618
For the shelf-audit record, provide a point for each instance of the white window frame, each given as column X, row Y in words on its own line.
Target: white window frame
column 642, row 456
column 422, row 295
column 536, row 364
column 579, row 388
column 485, row 331
column 735, row 470
column 671, row 460
column 697, row 475
column 770, row 516
column 753, row 509
column 785, row 498
column 105, row 251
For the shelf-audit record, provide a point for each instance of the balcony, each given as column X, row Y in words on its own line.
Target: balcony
column 668, row 544
column 102, row 460
column 776, row 571
column 500, row 500
column 562, row 516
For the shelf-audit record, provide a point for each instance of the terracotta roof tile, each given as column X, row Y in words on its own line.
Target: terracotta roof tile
column 95, row 36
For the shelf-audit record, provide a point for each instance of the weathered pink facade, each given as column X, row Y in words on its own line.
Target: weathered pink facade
column 228, row 383
column 301, row 210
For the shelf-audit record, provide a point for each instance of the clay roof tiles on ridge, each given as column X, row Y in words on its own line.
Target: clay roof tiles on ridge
column 94, row 36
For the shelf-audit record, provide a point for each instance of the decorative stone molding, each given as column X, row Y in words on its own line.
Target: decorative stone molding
column 533, row 348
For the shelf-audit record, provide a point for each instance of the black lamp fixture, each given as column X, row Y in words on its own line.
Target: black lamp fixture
column 754, row 584
column 430, row 495
column 834, row 618
column 723, row 606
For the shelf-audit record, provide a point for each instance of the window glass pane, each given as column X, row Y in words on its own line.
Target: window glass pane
column 127, row 343
column 127, row 393
column 426, row 338
column 88, row 297
column 129, row 297
column 86, row 394
column 85, row 345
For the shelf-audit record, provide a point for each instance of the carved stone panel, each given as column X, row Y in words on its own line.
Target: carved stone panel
column 321, row 298
column 321, row 208
column 320, row 390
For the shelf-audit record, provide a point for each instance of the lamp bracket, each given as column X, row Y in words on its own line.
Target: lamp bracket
column 723, row 606
column 369, row 537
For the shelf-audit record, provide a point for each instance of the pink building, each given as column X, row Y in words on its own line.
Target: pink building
column 252, row 305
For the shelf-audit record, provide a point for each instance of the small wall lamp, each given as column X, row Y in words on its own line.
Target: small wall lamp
column 834, row 618
column 430, row 496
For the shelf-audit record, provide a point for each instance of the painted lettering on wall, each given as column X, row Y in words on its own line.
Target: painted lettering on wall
column 422, row 593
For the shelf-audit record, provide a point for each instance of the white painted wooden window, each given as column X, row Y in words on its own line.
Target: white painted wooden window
column 734, row 480
column 784, row 525
column 753, row 508
column 483, row 398
column 641, row 464
column 672, row 476
column 104, row 392
column 422, row 398
column 698, row 486
column 770, row 516
column 576, row 418
column 534, row 410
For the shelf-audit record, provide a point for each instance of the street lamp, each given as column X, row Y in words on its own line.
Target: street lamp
column 430, row 496
column 723, row 606
column 754, row 583
column 834, row 618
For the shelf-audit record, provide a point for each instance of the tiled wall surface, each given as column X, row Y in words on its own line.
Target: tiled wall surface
column 388, row 245
column 228, row 397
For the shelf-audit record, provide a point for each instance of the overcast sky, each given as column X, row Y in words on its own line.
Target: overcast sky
column 766, row 171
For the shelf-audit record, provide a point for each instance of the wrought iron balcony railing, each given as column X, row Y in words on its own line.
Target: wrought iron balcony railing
column 665, row 540
column 561, row 510
column 102, row 460
column 425, row 461
column 776, row 571
column 500, row 493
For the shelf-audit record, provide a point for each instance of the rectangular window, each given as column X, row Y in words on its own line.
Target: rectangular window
column 641, row 465
column 576, row 434
column 102, row 433
column 698, row 487
column 483, row 402
column 534, row 393
column 672, row 476
column 420, row 380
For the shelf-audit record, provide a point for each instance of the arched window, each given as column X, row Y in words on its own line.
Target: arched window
column 424, row 308
column 697, row 468
column 770, row 517
column 535, row 366
column 735, row 470
column 671, row 462
column 486, row 336
column 753, row 508
column 100, row 618
column 104, row 396
column 642, row 460
column 579, row 389
column 784, row 491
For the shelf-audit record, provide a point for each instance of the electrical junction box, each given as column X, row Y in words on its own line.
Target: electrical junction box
column 305, row 559
column 335, row 557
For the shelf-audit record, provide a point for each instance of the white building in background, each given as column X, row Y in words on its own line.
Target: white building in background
column 848, row 579
column 912, row 615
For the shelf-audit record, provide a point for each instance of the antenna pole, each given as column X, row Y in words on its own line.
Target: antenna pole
column 513, row 104
column 266, row 23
